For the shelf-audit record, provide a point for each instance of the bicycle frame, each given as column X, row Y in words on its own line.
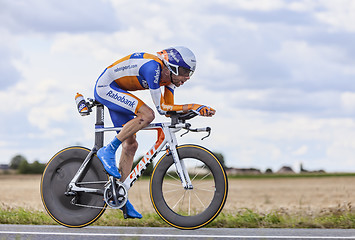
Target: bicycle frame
column 166, row 136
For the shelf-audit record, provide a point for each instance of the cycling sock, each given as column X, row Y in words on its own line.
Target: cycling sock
column 114, row 144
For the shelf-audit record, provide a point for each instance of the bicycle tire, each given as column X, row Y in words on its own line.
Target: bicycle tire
column 59, row 171
column 210, row 188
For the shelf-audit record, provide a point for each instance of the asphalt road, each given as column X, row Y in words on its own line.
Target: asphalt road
column 43, row 232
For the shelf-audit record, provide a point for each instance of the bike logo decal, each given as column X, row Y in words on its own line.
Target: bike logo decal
column 142, row 165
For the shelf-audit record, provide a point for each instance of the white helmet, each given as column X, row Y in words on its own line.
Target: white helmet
column 178, row 57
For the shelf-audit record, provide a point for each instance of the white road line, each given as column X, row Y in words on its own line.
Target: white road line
column 170, row 235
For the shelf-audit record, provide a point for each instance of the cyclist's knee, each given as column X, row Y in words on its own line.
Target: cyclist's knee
column 150, row 116
column 146, row 115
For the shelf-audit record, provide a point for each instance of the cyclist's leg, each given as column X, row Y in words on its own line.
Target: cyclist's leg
column 145, row 115
column 129, row 148
column 123, row 108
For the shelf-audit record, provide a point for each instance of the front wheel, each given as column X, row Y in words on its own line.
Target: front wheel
column 189, row 208
column 84, row 208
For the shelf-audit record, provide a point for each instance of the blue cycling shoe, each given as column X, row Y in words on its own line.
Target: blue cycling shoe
column 131, row 212
column 108, row 158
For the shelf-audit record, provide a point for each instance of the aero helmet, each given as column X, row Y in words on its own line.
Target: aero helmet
column 178, row 60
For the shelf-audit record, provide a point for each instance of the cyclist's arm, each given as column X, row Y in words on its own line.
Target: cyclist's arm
column 160, row 103
column 151, row 73
column 200, row 109
column 166, row 103
column 169, row 94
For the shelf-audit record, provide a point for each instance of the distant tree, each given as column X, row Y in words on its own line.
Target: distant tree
column 24, row 167
column 220, row 158
column 37, row 168
column 16, row 161
column 30, row 168
column 269, row 170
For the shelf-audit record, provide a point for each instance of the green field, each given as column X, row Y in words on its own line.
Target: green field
column 254, row 201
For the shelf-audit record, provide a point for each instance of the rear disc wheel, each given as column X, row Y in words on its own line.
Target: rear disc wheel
column 77, row 210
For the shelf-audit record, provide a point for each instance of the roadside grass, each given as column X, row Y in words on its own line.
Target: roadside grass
column 242, row 218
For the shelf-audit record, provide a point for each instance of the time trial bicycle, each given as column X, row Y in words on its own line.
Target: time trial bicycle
column 188, row 186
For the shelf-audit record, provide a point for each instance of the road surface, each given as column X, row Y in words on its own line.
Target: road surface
column 44, row 232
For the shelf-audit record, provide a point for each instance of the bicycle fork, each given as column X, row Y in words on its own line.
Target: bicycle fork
column 179, row 163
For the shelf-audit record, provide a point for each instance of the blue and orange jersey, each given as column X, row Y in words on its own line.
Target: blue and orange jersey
column 140, row 71
column 137, row 71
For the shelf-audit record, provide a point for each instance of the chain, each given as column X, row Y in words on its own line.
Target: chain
column 107, row 187
column 97, row 182
column 88, row 206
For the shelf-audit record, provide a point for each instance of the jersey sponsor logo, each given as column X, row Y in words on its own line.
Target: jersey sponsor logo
column 121, row 99
column 145, row 84
column 126, row 67
column 167, row 107
column 157, row 74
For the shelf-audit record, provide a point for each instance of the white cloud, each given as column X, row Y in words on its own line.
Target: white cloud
column 339, row 15
column 9, row 52
column 316, row 67
column 303, row 6
column 57, row 16
column 254, row 5
column 348, row 102
column 300, row 151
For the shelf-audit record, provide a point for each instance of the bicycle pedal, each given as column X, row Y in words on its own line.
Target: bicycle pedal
column 124, row 210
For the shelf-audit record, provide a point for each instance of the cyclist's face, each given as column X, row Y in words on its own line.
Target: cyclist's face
column 184, row 75
column 176, row 80
column 179, row 80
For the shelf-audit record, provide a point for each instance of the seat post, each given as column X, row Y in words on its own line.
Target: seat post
column 99, row 136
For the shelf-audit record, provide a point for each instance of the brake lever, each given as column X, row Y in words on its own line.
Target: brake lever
column 208, row 129
column 185, row 133
column 188, row 125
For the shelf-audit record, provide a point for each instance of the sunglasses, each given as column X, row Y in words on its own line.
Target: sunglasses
column 178, row 70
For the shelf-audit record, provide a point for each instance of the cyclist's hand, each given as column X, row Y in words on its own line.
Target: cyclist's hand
column 202, row 110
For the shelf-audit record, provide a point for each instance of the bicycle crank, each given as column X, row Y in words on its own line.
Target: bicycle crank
column 115, row 194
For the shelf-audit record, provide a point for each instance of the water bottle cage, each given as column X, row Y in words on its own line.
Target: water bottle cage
column 88, row 104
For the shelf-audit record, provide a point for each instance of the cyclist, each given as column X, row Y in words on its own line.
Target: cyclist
column 171, row 68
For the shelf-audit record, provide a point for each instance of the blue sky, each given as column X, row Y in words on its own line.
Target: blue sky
column 279, row 73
